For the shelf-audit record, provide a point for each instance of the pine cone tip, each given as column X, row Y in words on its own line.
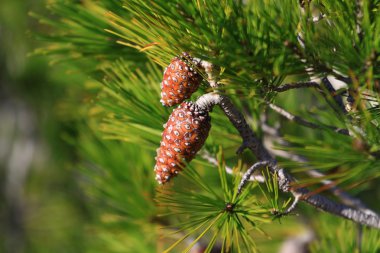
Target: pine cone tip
column 183, row 136
column 180, row 81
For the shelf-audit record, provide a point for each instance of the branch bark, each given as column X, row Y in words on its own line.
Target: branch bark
column 343, row 196
column 212, row 160
column 286, row 181
column 338, row 105
column 290, row 86
column 247, row 175
column 304, row 122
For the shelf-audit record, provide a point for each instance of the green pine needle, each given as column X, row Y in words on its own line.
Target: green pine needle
column 222, row 215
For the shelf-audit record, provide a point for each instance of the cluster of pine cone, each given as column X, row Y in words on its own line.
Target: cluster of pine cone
column 188, row 126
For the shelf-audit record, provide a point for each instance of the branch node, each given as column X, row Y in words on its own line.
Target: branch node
column 285, row 180
column 241, row 149
column 247, row 175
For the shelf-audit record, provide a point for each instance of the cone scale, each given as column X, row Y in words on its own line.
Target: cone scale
column 184, row 135
column 180, row 81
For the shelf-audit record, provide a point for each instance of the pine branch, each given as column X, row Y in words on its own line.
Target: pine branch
column 325, row 204
column 212, row 160
column 343, row 196
column 209, row 100
column 304, row 122
column 290, row 86
column 326, row 84
column 247, row 175
column 337, row 98
column 286, row 181
column 315, row 65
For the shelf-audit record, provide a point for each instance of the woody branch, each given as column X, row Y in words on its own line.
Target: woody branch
column 286, row 181
column 273, row 135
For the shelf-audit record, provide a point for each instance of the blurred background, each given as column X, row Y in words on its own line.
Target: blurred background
column 44, row 107
column 41, row 206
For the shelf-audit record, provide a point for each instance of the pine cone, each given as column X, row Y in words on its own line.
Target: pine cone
column 179, row 82
column 183, row 136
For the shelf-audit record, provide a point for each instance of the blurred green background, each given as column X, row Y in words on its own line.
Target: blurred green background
column 44, row 125
column 42, row 208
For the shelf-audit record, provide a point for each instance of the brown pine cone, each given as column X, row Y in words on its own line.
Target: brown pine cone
column 183, row 136
column 179, row 82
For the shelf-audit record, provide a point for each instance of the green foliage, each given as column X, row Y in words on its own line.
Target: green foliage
column 348, row 56
column 258, row 45
column 130, row 116
column 338, row 236
column 122, row 191
column 214, row 212
column 233, row 37
column 131, row 193
column 79, row 35
column 271, row 194
column 322, row 155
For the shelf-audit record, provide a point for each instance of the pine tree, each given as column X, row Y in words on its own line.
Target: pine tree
column 293, row 92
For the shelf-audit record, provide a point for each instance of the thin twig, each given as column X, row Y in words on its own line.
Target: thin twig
column 344, row 197
column 291, row 207
column 211, row 71
column 290, row 86
column 209, row 100
column 286, row 181
column 314, row 66
column 326, row 85
column 325, row 204
column 337, row 98
column 247, row 175
column 317, row 65
column 212, row 160
column 359, row 18
column 304, row 122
